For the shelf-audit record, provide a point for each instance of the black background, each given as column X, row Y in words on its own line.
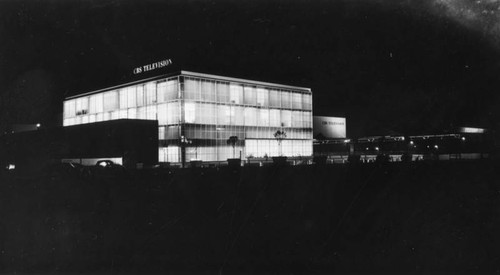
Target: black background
column 388, row 66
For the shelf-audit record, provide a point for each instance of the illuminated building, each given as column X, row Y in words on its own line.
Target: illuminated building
column 197, row 114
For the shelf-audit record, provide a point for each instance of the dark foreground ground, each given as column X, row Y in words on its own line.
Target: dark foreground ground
column 419, row 218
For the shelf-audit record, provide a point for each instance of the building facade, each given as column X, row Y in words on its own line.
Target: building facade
column 197, row 114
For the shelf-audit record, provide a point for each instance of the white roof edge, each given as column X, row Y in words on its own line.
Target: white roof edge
column 263, row 83
column 189, row 73
column 123, row 85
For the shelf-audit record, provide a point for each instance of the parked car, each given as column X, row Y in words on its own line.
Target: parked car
column 107, row 168
column 68, row 169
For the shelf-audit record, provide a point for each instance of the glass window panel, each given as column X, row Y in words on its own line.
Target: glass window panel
column 172, row 89
column 67, row 121
column 91, row 118
column 161, row 90
column 123, row 98
column 286, row 118
column 161, row 132
column 207, row 91
column 110, row 101
column 205, row 114
column 297, row 101
column 172, row 132
column 274, row 118
column 132, row 96
column 69, row 108
column 174, row 113
column 285, row 99
column 122, row 114
column 162, row 114
column 307, row 101
column 297, row 119
column 189, row 112
column 235, row 93
column 222, row 92
column 274, row 98
column 82, row 106
column 99, row 117
column 132, row 113
column 141, row 113
column 262, row 97
column 140, row 95
column 96, row 103
column 223, row 115
column 263, row 117
column 250, row 95
column 106, row 116
column 114, row 115
column 167, row 90
column 250, row 116
column 150, row 93
column 151, row 112
column 237, row 115
column 191, row 89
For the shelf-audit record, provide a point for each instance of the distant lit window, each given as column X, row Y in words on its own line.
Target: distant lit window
column 222, row 92
column 140, row 95
column 262, row 97
column 307, row 101
column 190, row 112
column 167, row 90
column 296, row 101
column 250, row 95
column 122, row 98
column 250, row 116
column 69, row 108
column 286, row 118
column 82, row 106
column 150, row 93
column 235, row 93
column 274, row 99
column 285, row 100
column 96, row 103
column 207, row 91
column 191, row 89
column 274, row 118
column 131, row 97
column 110, row 101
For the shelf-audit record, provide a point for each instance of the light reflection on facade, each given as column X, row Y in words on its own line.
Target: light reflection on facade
column 204, row 111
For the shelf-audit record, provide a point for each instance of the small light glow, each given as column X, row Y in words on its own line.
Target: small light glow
column 38, row 125
column 411, row 142
column 472, row 130
column 463, row 138
column 376, row 148
column 103, row 164
column 11, row 167
column 435, row 146
column 402, row 138
column 347, row 140
column 366, row 148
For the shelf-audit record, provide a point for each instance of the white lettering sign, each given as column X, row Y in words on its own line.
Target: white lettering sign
column 153, row 66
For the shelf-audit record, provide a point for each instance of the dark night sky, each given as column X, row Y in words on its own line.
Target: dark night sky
column 403, row 66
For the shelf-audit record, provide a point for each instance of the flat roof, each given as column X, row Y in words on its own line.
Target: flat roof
column 193, row 74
